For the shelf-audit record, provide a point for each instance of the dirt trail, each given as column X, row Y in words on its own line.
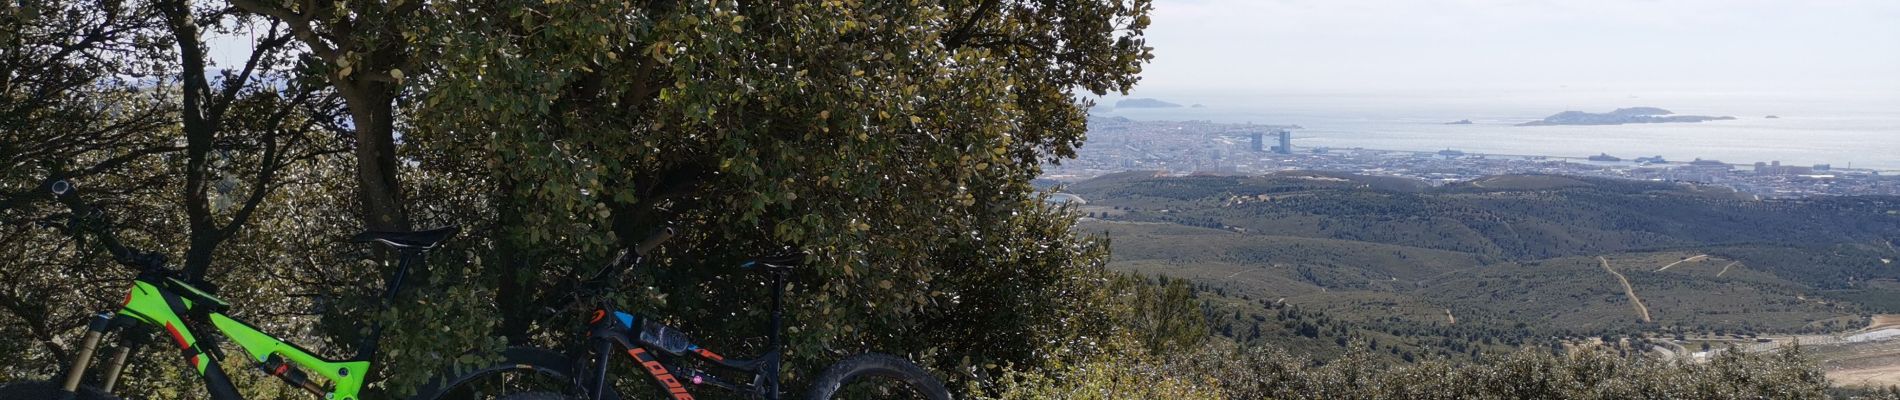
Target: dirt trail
column 1641, row 310
column 1690, row 259
column 1873, row 377
column 1882, row 321
column 1453, row 318
column 1725, row 268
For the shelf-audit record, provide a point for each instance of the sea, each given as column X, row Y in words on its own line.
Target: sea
column 1842, row 128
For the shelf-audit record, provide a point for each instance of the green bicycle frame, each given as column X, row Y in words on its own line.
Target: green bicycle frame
column 159, row 300
column 159, row 306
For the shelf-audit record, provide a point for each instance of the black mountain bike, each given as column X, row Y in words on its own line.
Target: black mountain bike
column 659, row 350
column 194, row 319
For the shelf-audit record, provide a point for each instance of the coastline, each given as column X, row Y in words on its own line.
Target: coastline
column 1862, row 142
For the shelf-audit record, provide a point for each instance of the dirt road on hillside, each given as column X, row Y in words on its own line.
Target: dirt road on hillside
column 1882, row 321
column 1641, row 310
column 1876, row 377
column 1690, row 259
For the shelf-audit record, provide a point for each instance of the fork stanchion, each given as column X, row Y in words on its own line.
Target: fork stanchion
column 94, row 330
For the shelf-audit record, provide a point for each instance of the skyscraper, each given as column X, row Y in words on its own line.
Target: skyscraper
column 1286, row 142
column 1259, row 141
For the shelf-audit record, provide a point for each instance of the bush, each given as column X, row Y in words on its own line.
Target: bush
column 1266, row 372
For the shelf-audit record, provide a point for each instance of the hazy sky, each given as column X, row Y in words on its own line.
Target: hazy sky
column 1366, row 45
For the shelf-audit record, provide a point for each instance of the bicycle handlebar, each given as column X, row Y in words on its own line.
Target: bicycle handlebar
column 653, row 241
column 622, row 261
column 87, row 219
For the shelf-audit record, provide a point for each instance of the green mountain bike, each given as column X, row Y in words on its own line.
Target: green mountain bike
column 161, row 301
column 673, row 362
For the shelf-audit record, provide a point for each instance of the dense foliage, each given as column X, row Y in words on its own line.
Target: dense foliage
column 892, row 141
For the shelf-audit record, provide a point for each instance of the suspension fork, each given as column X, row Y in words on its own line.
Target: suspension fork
column 130, row 341
column 603, row 358
column 94, row 329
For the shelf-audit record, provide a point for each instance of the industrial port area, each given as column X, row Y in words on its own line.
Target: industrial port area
column 1200, row 147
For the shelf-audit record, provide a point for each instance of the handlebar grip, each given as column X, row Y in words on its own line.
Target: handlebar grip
column 61, row 187
column 652, row 241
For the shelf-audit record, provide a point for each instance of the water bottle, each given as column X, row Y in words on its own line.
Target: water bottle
column 664, row 338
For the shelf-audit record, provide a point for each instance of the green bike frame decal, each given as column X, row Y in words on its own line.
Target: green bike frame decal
column 147, row 303
column 347, row 376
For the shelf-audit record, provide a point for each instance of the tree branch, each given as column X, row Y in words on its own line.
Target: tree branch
column 299, row 26
column 232, row 87
column 267, row 169
column 963, row 31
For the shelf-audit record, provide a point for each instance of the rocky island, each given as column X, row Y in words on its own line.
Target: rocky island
column 1632, row 115
column 1144, row 103
column 1459, row 122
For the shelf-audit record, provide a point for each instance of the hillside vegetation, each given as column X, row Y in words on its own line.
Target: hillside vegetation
column 1314, row 261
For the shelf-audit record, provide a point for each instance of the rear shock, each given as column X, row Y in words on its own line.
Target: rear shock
column 276, row 366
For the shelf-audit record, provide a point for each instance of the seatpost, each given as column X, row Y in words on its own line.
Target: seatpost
column 778, row 306
column 367, row 351
column 408, row 258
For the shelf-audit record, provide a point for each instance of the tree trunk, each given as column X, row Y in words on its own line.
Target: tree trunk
column 513, row 295
column 199, row 134
column 372, row 111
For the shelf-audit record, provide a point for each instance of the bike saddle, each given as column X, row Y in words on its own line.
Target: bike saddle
column 421, row 240
column 785, row 260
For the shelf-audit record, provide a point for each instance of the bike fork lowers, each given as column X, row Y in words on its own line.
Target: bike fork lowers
column 130, row 341
column 94, row 330
column 604, row 352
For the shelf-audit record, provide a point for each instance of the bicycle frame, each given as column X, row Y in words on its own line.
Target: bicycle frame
column 621, row 331
column 157, row 303
column 159, row 300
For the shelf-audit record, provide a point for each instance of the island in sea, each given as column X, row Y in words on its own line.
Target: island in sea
column 1632, row 115
column 1459, row 122
column 1144, row 103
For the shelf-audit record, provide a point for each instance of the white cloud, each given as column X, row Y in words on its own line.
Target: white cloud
column 1361, row 44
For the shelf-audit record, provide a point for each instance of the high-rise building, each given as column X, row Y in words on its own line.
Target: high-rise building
column 1259, row 141
column 1286, row 142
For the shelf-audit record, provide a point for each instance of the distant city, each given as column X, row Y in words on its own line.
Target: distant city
column 1201, row 147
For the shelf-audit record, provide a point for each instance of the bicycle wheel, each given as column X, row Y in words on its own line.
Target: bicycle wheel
column 521, row 372
column 48, row 390
column 876, row 376
column 539, row 396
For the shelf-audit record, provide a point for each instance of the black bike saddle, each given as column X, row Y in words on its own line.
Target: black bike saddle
column 423, row 239
column 785, row 260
